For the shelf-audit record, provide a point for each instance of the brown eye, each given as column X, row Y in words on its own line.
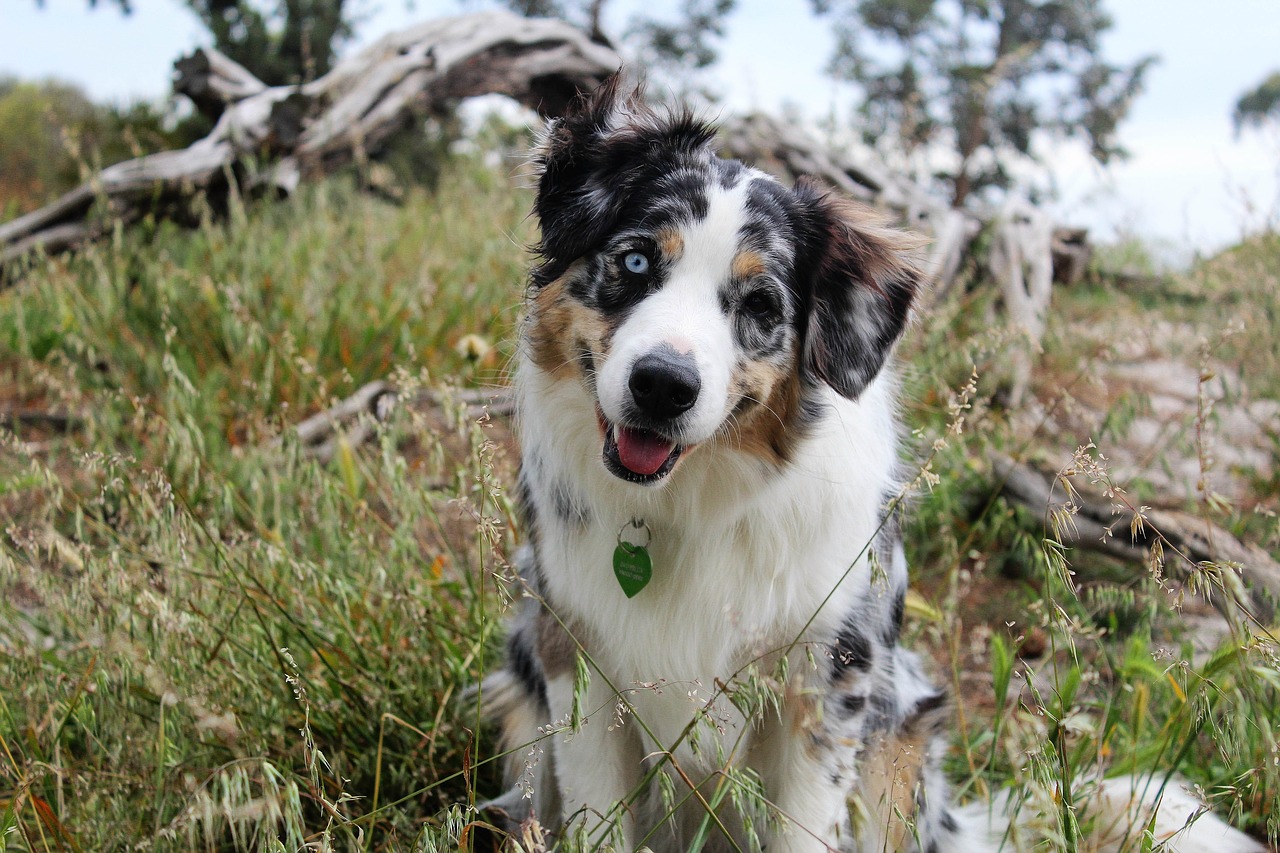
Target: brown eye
column 760, row 304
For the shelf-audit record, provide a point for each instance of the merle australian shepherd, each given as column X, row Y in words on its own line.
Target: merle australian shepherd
column 702, row 388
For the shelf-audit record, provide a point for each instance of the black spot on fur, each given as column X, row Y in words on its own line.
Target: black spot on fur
column 582, row 286
column 883, row 713
column 852, row 650
column 523, row 663
column 771, row 212
column 683, row 195
column 851, row 704
column 525, row 510
column 729, row 173
column 948, row 822
column 569, row 507
column 933, row 702
column 894, row 628
column 929, row 715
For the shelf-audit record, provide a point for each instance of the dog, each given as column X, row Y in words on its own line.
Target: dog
column 707, row 651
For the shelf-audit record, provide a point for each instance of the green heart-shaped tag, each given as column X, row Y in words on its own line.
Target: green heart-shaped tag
column 632, row 567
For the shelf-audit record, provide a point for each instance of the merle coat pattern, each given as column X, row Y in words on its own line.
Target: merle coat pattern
column 704, row 349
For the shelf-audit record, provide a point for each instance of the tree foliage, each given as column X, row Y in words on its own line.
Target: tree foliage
column 690, row 40
column 290, row 41
column 1258, row 106
column 666, row 48
column 980, row 78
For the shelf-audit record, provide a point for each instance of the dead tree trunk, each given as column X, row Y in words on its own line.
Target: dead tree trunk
column 268, row 137
column 1021, row 262
column 1250, row 576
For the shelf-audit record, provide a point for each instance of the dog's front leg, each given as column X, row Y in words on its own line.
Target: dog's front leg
column 597, row 766
column 802, row 777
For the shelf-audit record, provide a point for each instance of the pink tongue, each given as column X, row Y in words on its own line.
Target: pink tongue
column 641, row 451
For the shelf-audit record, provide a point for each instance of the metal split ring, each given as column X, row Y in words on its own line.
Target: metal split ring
column 636, row 524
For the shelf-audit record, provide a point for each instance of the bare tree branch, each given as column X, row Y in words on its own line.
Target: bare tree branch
column 278, row 134
column 1100, row 526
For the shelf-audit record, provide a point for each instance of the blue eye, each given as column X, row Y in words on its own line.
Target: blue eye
column 636, row 263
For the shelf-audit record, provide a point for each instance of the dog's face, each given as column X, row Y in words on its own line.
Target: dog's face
column 696, row 300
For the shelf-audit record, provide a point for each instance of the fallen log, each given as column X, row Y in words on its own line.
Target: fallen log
column 374, row 398
column 353, row 418
column 1190, row 543
column 212, row 81
column 267, row 138
column 61, row 422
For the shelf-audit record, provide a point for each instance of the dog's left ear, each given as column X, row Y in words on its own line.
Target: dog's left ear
column 863, row 278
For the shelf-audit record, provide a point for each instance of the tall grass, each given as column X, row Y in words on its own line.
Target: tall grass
column 207, row 640
column 212, row 640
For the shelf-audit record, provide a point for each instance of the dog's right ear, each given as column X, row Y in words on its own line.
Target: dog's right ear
column 591, row 161
column 577, row 204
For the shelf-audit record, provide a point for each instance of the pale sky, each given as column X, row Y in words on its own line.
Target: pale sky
column 1189, row 186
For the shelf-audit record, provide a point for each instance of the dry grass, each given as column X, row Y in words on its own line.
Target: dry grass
column 209, row 642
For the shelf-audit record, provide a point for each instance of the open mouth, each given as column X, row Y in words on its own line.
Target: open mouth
column 637, row 455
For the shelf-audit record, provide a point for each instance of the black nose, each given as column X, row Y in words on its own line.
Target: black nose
column 664, row 385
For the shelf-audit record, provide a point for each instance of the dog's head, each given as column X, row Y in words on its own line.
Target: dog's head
column 695, row 299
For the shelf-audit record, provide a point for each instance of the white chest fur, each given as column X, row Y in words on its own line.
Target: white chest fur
column 746, row 558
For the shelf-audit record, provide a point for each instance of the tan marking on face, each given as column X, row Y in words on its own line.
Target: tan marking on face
column 557, row 323
column 769, row 430
column 556, row 647
column 670, row 244
column 747, row 265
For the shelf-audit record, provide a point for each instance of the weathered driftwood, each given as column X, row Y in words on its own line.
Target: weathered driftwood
column 1021, row 262
column 1072, row 253
column 353, row 419
column 289, row 131
column 15, row 419
column 212, row 81
column 1188, row 541
column 374, row 398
